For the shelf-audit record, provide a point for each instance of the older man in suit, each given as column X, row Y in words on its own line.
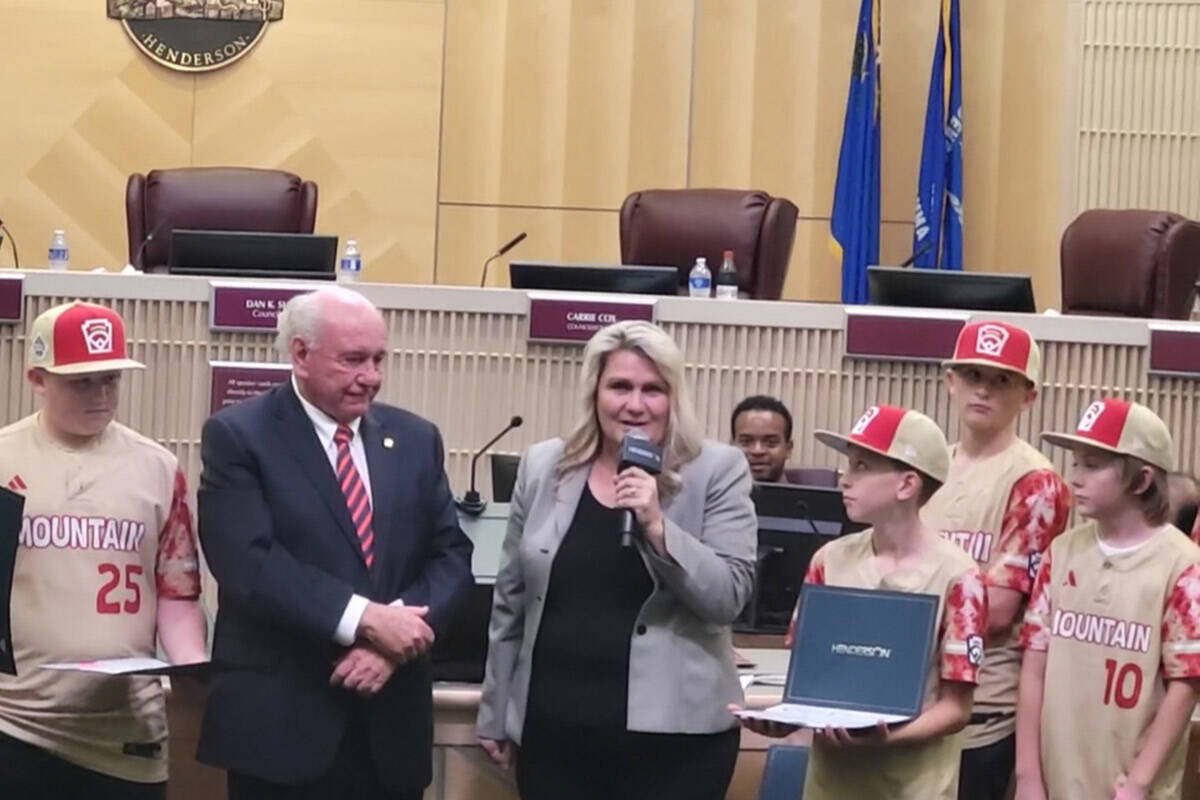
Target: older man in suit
column 328, row 521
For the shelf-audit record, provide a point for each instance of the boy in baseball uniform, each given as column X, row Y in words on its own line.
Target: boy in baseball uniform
column 106, row 565
column 896, row 459
column 1112, row 634
column 1003, row 504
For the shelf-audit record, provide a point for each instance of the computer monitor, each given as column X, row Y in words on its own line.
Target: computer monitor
column 504, row 476
column 793, row 523
column 623, row 279
column 937, row 288
column 252, row 254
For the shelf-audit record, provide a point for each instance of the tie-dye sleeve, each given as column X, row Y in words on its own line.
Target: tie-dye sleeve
column 177, row 570
column 1181, row 627
column 964, row 624
column 815, row 575
column 1035, row 632
column 1038, row 509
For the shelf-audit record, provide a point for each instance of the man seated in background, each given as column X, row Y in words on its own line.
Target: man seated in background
column 762, row 428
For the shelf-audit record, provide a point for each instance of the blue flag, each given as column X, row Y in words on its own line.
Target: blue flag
column 938, row 222
column 854, row 222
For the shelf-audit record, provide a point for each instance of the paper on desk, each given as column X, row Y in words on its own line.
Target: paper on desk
column 763, row 680
column 127, row 666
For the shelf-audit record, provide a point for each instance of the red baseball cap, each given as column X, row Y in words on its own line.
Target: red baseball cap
column 1000, row 345
column 1119, row 426
column 77, row 338
column 898, row 433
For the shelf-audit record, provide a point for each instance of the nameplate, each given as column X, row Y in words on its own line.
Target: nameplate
column 12, row 298
column 1175, row 350
column 235, row 381
column 902, row 334
column 247, row 306
column 574, row 318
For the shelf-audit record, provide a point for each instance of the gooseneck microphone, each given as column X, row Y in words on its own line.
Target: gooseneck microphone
column 636, row 451
column 516, row 240
column 920, row 251
column 12, row 242
column 471, row 503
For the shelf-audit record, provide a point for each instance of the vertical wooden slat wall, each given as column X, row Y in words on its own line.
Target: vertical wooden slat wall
column 1138, row 128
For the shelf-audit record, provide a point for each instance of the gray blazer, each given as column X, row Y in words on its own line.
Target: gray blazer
column 681, row 668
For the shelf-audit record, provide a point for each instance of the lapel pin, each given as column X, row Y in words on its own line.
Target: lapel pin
column 389, row 442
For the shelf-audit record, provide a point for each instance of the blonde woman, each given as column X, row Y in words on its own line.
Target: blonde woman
column 610, row 667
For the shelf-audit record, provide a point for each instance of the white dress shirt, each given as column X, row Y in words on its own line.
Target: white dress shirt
column 326, row 426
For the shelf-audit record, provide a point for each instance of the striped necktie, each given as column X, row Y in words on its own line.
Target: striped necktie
column 356, row 493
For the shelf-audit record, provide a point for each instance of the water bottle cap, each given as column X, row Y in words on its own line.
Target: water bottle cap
column 729, row 255
column 352, row 243
column 59, row 232
column 702, row 260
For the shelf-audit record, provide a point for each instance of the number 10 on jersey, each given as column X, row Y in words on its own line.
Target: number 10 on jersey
column 1122, row 684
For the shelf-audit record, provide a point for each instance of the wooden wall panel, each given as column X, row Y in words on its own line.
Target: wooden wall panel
column 569, row 104
column 82, row 109
column 469, row 234
column 347, row 94
column 770, row 88
column 1017, row 118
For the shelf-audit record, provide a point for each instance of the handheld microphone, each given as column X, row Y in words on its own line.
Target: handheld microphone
column 471, row 503
column 13, row 243
column 920, row 251
column 516, row 240
column 139, row 254
column 636, row 451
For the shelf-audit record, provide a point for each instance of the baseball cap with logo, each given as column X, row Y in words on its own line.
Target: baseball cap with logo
column 78, row 338
column 1000, row 345
column 1118, row 426
column 906, row 436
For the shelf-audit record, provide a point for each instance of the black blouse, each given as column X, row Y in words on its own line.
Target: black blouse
column 580, row 671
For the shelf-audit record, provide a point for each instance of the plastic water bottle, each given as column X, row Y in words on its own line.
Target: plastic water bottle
column 351, row 266
column 700, row 279
column 59, row 257
column 727, row 286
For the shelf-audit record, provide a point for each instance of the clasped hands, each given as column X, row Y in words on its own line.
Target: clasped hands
column 388, row 637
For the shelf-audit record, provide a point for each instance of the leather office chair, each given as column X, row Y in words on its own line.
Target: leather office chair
column 811, row 476
column 784, row 773
column 1130, row 263
column 671, row 227
column 212, row 198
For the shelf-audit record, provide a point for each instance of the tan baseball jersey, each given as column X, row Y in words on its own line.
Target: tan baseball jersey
column 107, row 531
column 928, row 770
column 1114, row 628
column 1003, row 511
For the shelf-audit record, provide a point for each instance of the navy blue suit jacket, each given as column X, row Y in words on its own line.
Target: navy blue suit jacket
column 278, row 537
